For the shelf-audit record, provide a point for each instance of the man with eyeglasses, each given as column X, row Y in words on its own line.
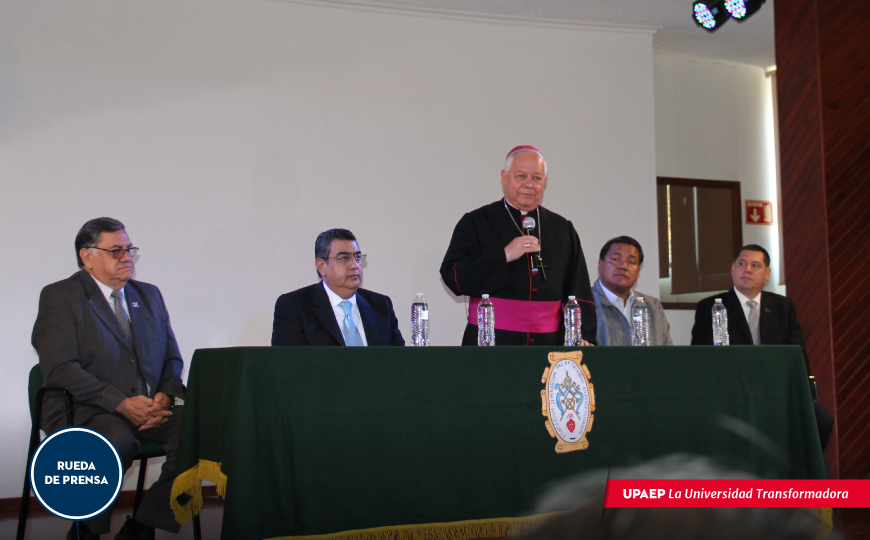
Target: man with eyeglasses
column 336, row 311
column 619, row 264
column 106, row 338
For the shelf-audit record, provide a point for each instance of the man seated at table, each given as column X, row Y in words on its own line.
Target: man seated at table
column 619, row 265
column 336, row 311
column 757, row 317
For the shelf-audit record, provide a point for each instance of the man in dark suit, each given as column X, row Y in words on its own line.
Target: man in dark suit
column 106, row 338
column 776, row 316
column 336, row 311
column 757, row 317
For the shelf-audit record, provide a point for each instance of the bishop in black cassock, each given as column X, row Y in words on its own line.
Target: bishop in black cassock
column 528, row 273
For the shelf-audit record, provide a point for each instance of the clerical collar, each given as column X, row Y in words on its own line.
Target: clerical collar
column 523, row 212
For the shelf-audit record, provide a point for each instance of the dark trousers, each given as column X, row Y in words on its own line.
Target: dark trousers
column 825, row 423
column 154, row 510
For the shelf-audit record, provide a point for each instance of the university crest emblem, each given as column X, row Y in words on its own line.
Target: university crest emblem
column 568, row 400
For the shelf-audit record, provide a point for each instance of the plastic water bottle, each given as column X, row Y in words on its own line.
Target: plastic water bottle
column 573, row 335
column 720, row 324
column 485, row 323
column 640, row 323
column 420, row 322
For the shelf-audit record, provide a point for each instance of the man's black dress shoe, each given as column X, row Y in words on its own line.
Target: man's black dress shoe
column 86, row 533
column 133, row 530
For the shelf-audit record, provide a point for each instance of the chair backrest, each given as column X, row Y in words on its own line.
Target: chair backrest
column 33, row 387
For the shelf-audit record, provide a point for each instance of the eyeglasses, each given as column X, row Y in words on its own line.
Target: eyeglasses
column 345, row 258
column 118, row 253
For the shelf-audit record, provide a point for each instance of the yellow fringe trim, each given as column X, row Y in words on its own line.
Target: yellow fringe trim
column 188, row 483
column 457, row 530
column 826, row 521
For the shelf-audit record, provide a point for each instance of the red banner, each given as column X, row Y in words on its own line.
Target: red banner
column 737, row 494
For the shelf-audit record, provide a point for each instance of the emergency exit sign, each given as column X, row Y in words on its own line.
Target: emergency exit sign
column 759, row 213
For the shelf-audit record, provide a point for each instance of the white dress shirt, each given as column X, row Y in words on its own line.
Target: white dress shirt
column 107, row 292
column 623, row 306
column 743, row 299
column 335, row 300
column 522, row 212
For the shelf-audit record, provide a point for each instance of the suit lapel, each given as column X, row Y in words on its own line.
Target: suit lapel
column 369, row 322
column 323, row 310
column 101, row 307
column 137, row 319
column 509, row 217
column 737, row 318
column 602, row 296
column 765, row 318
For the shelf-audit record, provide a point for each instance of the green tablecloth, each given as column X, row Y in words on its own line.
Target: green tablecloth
column 319, row 440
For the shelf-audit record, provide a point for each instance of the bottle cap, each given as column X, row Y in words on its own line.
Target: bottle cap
column 572, row 298
column 718, row 299
column 484, row 296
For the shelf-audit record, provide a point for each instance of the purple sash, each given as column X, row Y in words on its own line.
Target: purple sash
column 521, row 315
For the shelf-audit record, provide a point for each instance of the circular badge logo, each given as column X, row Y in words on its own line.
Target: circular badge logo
column 76, row 473
column 569, row 401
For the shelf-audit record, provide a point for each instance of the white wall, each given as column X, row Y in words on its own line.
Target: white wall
column 227, row 134
column 713, row 121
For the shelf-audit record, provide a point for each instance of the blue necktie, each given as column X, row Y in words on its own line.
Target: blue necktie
column 348, row 329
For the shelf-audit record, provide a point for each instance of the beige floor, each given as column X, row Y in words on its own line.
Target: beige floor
column 43, row 526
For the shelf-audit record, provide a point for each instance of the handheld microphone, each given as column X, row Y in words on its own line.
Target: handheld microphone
column 528, row 224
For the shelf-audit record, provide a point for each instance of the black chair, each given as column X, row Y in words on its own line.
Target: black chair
column 36, row 394
column 814, row 390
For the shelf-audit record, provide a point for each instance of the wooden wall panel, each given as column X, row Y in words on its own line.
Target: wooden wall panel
column 823, row 89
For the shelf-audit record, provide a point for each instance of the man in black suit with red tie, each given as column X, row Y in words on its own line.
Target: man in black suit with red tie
column 757, row 317
column 336, row 311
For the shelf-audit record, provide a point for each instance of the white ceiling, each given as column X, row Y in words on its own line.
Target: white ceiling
column 749, row 42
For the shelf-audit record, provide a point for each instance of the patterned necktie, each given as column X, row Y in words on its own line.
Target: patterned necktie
column 753, row 321
column 348, row 329
column 127, row 328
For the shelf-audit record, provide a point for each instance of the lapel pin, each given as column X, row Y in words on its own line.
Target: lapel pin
column 135, row 304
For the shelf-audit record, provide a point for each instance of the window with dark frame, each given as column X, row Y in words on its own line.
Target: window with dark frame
column 699, row 231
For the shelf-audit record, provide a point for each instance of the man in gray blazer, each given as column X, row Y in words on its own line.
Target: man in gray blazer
column 619, row 265
column 106, row 338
